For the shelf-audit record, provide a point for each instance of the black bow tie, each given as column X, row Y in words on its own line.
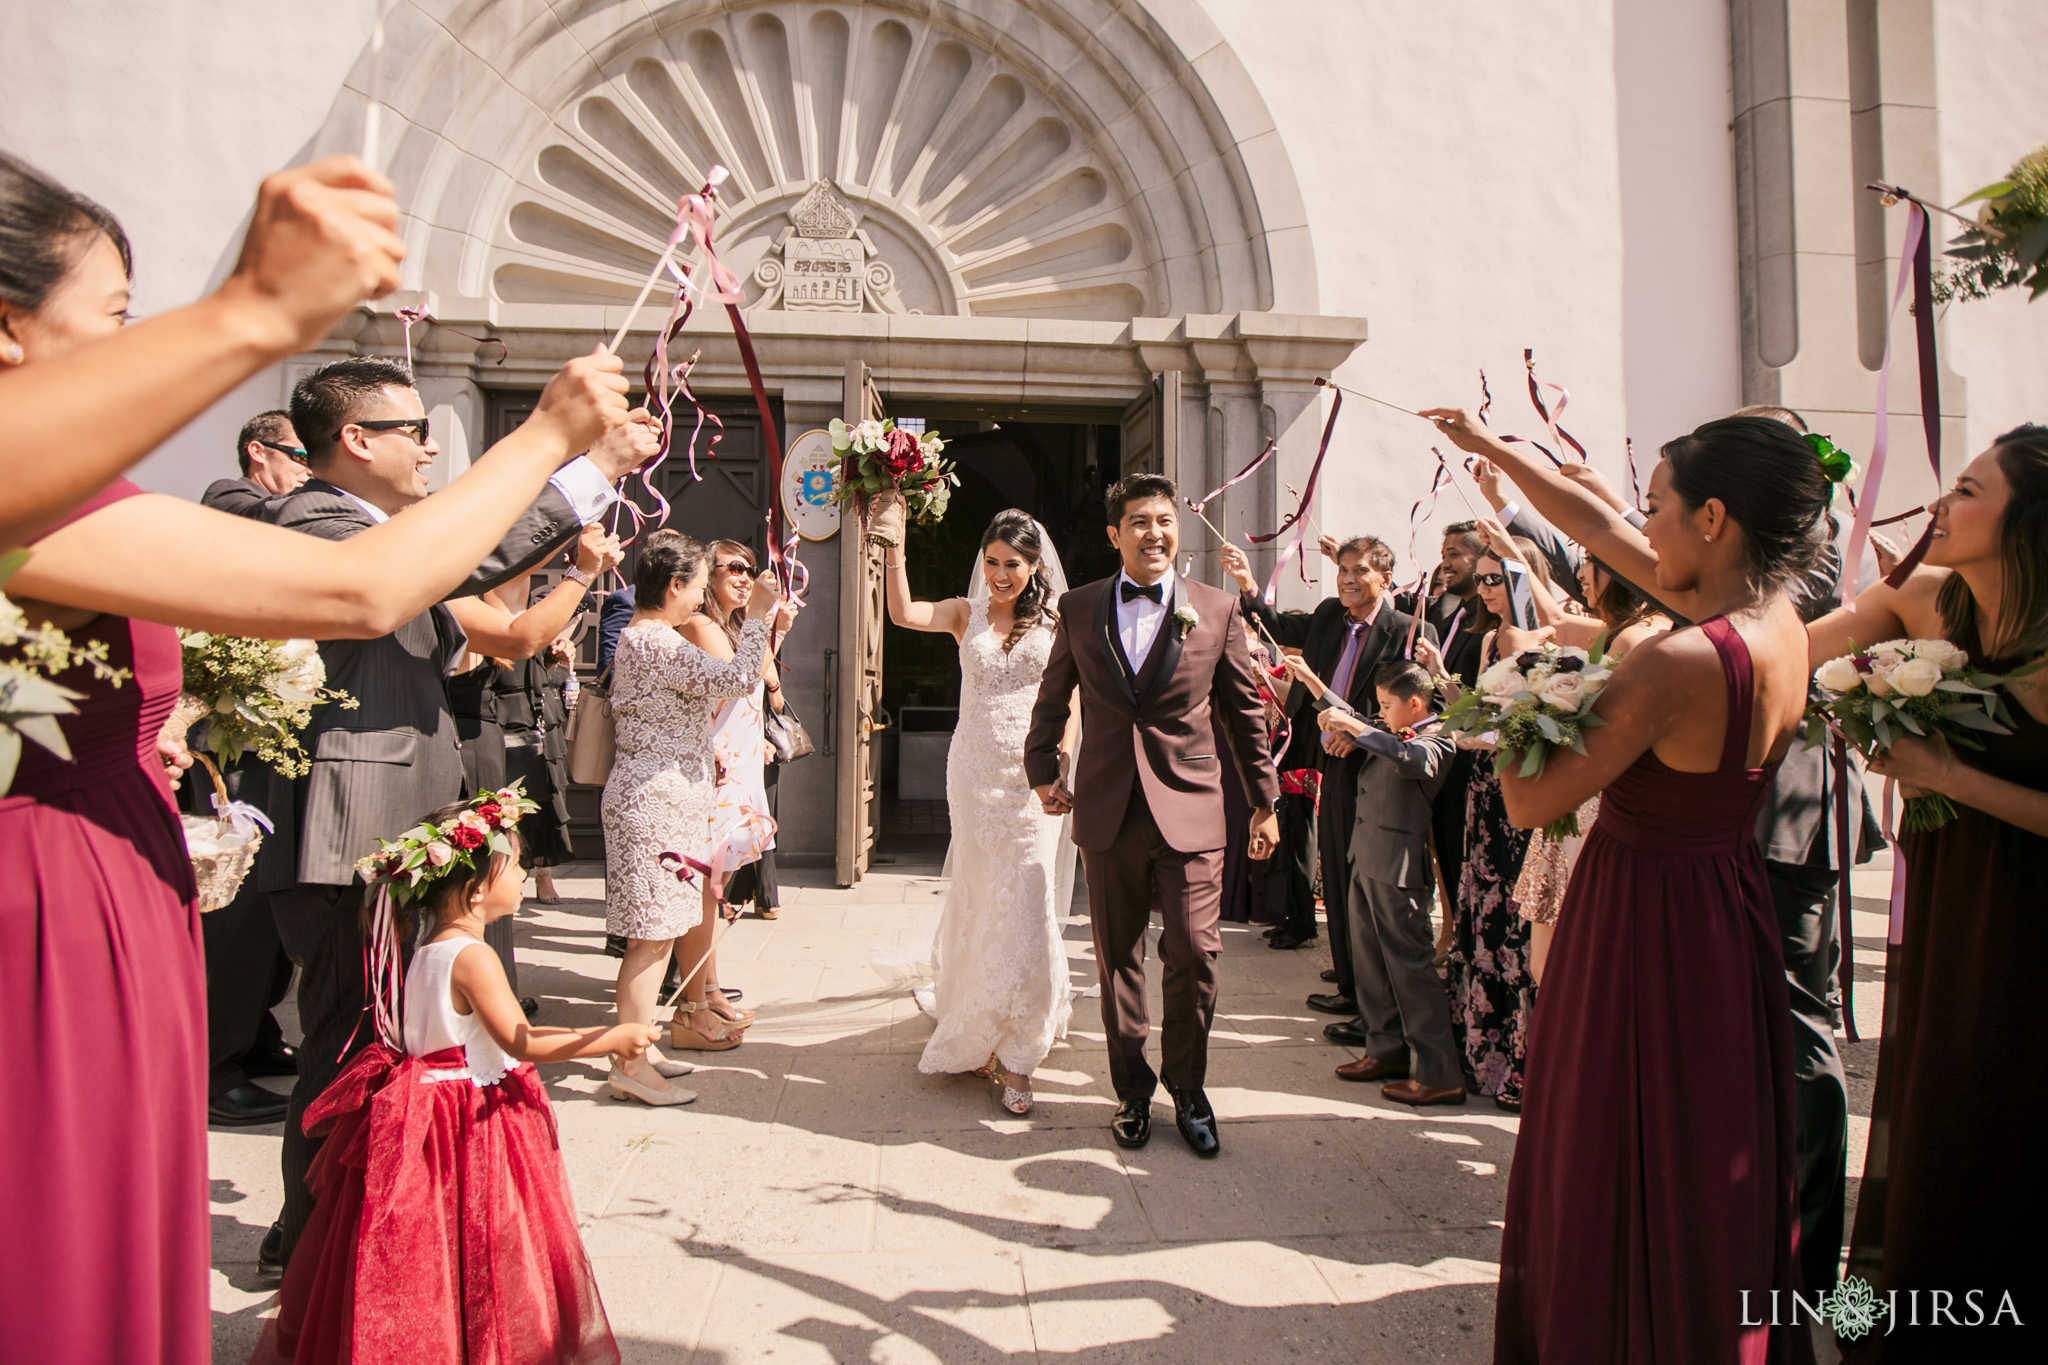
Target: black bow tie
column 1156, row 591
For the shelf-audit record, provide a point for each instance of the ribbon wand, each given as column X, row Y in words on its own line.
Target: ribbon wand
column 1196, row 508
column 712, row 180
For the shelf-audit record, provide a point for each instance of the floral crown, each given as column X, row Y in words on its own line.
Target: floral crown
column 1834, row 461
column 428, row 854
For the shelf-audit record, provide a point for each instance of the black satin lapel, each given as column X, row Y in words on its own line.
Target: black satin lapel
column 1171, row 641
column 1105, row 631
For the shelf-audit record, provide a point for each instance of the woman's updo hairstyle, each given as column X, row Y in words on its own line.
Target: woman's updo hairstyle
column 1770, row 481
column 664, row 557
column 44, row 229
column 1034, row 606
column 2021, row 631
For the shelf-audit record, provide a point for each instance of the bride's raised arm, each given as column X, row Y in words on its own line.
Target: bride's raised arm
column 948, row 616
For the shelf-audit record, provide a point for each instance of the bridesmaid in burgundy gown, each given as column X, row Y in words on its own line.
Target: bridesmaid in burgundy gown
column 1962, row 991
column 101, row 971
column 1650, row 1210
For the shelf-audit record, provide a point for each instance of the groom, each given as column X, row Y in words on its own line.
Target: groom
column 1158, row 660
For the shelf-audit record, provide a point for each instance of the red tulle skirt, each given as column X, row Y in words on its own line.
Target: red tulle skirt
column 443, row 1228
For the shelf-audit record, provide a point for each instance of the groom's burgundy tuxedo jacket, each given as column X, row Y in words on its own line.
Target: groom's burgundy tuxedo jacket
column 1151, row 723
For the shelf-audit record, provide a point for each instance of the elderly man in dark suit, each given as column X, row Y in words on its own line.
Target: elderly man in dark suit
column 380, row 767
column 273, row 466
column 1342, row 642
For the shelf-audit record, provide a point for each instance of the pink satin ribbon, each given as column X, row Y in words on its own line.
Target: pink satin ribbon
column 383, row 974
column 1551, row 417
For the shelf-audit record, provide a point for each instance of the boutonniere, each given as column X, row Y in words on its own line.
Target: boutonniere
column 1184, row 617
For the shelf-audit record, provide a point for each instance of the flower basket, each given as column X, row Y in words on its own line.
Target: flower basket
column 222, row 847
column 891, row 477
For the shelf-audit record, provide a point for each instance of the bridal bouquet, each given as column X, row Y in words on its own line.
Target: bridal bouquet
column 1532, row 703
column 877, row 457
column 258, row 694
column 30, row 698
column 1924, row 688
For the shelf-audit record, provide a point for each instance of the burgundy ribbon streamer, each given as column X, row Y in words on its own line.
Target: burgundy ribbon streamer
column 1551, row 420
column 408, row 316
column 1916, row 262
column 1297, row 521
column 1635, row 485
column 1416, row 516
column 1258, row 462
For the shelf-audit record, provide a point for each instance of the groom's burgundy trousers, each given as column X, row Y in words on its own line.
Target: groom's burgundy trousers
column 1138, row 871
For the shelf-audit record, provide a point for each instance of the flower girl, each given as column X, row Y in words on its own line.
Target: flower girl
column 443, row 1228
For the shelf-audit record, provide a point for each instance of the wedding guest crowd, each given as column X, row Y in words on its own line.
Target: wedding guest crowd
column 1657, row 995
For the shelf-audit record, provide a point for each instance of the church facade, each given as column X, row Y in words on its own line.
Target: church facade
column 1133, row 233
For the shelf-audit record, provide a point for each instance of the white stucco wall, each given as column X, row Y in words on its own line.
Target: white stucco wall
column 1481, row 178
column 169, row 112
column 1994, row 108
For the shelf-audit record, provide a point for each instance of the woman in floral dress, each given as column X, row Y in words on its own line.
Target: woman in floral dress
column 659, row 800
column 1488, row 972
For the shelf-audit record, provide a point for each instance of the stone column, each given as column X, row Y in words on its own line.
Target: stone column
column 1827, row 98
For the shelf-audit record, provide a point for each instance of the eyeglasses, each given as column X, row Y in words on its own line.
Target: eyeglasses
column 738, row 566
column 417, row 426
column 292, row 451
column 1491, row 580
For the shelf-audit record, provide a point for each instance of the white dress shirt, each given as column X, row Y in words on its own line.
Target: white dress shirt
column 580, row 482
column 1137, row 621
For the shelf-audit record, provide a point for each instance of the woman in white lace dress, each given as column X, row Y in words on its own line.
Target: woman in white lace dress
column 1001, row 996
column 658, row 803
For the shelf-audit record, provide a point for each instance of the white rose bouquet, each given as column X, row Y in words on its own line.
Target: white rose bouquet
column 1532, row 703
column 1925, row 688
column 258, row 694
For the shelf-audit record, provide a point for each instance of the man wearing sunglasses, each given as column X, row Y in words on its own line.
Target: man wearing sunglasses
column 273, row 464
column 396, row 756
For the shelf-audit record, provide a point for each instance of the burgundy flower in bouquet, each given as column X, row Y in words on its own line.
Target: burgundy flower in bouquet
column 880, row 460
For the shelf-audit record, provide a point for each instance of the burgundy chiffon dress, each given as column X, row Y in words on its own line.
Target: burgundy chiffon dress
column 1952, row 1199
column 1653, row 1178
column 103, row 1006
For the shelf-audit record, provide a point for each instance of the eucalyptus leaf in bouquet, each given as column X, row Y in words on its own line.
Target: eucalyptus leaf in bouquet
column 30, row 697
column 256, row 696
column 1531, row 704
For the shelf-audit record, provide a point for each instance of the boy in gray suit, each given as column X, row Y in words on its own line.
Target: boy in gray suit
column 1401, row 999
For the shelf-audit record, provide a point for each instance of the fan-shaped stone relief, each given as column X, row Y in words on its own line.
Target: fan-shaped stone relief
column 970, row 190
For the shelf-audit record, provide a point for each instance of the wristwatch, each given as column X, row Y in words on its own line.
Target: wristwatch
column 576, row 575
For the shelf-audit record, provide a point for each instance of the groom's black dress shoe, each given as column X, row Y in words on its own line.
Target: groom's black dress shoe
column 246, row 1106
column 1287, row 938
column 1132, row 1126
column 1196, row 1121
column 1333, row 1004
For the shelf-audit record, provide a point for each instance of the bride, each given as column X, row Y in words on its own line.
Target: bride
column 1001, row 996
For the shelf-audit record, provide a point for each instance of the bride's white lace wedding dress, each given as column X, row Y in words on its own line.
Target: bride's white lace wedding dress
column 999, row 964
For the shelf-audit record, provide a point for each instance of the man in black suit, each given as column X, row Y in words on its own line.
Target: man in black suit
column 247, row 969
column 1343, row 642
column 273, row 465
column 380, row 767
column 1462, row 620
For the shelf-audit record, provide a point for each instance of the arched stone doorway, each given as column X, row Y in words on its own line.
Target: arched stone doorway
column 1042, row 205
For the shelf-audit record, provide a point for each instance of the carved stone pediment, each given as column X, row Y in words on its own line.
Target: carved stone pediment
column 824, row 263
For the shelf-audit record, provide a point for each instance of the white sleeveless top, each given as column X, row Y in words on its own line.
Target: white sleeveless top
column 432, row 1024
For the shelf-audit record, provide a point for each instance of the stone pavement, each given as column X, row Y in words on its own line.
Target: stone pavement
column 823, row 1201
